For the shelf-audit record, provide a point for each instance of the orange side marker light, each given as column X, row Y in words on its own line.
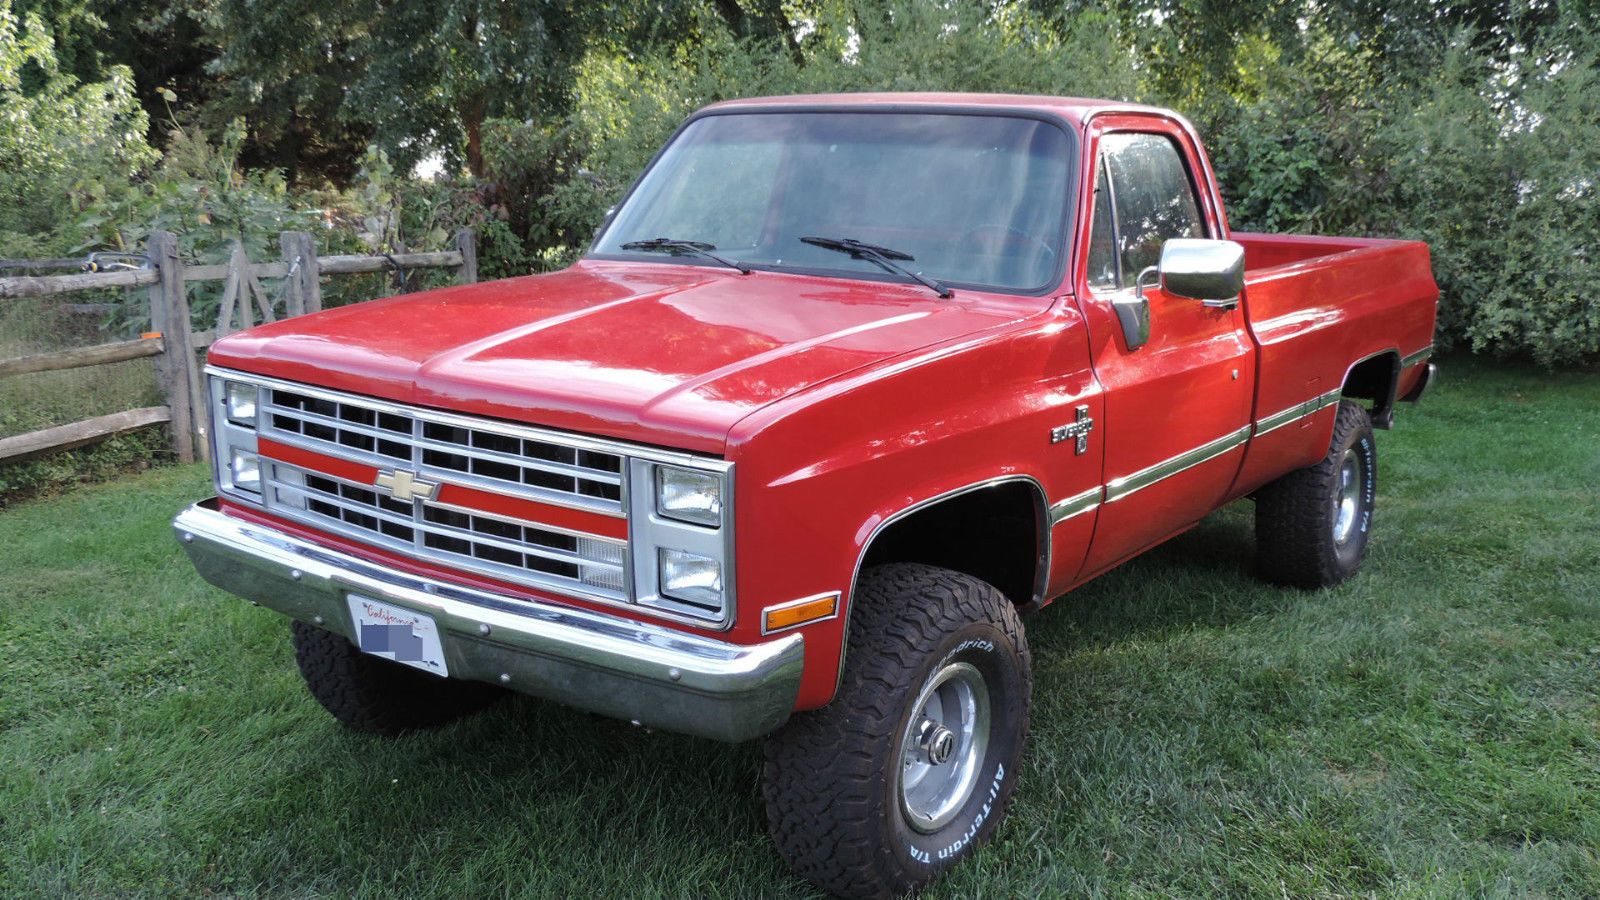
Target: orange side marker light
column 799, row 612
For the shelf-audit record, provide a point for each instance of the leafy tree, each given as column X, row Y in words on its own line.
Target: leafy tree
column 166, row 44
column 419, row 77
column 64, row 144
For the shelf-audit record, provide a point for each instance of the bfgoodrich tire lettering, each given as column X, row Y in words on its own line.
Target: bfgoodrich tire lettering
column 1313, row 524
column 833, row 777
column 369, row 693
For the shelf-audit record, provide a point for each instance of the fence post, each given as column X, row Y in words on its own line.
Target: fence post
column 466, row 242
column 180, row 375
column 300, row 257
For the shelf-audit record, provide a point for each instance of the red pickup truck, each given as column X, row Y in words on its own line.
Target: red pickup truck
column 844, row 386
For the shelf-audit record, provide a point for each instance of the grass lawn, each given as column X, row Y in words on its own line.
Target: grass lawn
column 1431, row 727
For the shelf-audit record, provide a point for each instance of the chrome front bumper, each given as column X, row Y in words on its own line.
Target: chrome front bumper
column 617, row 667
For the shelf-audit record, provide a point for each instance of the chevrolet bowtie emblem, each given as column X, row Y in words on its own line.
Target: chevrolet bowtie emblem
column 404, row 486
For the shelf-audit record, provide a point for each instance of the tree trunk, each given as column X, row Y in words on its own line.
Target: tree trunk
column 733, row 15
column 785, row 29
column 769, row 17
column 472, row 123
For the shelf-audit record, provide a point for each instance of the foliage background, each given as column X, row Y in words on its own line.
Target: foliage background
column 1474, row 126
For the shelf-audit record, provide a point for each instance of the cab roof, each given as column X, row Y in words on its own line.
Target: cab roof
column 1073, row 110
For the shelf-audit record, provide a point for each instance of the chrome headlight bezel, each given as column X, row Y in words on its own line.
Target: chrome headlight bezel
column 653, row 531
column 233, row 434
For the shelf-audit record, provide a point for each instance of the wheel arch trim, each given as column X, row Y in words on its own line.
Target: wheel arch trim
column 1382, row 407
column 1042, row 530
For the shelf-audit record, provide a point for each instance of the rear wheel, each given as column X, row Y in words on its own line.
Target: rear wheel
column 369, row 693
column 912, row 765
column 1313, row 524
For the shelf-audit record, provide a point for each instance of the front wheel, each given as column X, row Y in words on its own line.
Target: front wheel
column 912, row 765
column 1313, row 524
column 369, row 693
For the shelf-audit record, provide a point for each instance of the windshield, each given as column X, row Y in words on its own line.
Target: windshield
column 974, row 199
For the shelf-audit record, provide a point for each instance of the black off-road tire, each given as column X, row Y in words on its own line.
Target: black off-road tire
column 832, row 776
column 1297, row 516
column 370, row 693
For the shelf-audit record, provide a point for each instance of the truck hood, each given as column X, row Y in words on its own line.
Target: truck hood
column 665, row 354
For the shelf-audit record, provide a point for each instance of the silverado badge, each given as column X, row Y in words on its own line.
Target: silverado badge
column 1079, row 429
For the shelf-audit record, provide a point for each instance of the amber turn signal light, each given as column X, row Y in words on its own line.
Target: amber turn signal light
column 799, row 612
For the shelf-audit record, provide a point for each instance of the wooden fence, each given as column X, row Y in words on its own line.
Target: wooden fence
column 171, row 339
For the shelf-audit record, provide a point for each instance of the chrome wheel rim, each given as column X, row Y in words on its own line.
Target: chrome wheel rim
column 943, row 747
column 1347, row 502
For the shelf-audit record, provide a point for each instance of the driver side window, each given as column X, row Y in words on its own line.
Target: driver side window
column 1142, row 198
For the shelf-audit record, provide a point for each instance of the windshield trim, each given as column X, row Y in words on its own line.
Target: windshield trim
column 1052, row 285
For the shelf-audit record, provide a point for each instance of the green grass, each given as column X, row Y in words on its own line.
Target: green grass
column 1431, row 727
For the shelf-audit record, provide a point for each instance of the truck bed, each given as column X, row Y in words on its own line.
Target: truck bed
column 1317, row 307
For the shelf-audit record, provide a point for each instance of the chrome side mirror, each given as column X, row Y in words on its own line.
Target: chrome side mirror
column 1133, row 313
column 1205, row 270
column 1197, row 268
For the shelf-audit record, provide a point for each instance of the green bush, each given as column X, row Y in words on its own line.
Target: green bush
column 628, row 105
column 1494, row 164
column 64, row 145
column 1497, row 171
column 1471, row 128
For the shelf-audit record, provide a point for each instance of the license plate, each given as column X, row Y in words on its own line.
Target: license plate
column 398, row 634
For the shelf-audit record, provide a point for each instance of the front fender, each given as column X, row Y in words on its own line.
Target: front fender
column 821, row 475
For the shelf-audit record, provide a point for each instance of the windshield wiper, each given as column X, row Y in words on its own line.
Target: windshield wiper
column 883, row 256
column 696, row 248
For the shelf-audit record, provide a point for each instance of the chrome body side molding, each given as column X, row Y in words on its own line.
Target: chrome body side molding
column 1423, row 355
column 1118, row 488
column 1297, row 412
column 1062, row 510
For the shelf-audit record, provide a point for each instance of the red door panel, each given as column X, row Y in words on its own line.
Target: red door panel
column 1177, row 410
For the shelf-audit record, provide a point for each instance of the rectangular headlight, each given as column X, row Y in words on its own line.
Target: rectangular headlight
column 245, row 471
column 242, row 403
column 691, row 577
column 689, row 496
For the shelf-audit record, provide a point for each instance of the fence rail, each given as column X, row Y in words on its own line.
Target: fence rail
column 65, row 437
column 44, row 285
column 78, row 357
column 171, row 340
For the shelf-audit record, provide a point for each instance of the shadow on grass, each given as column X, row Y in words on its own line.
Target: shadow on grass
column 539, row 797
column 536, row 781
column 1204, row 578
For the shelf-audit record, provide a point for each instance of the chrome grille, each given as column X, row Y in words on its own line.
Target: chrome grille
column 439, row 447
column 524, row 504
column 500, row 460
column 518, row 461
column 508, row 548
